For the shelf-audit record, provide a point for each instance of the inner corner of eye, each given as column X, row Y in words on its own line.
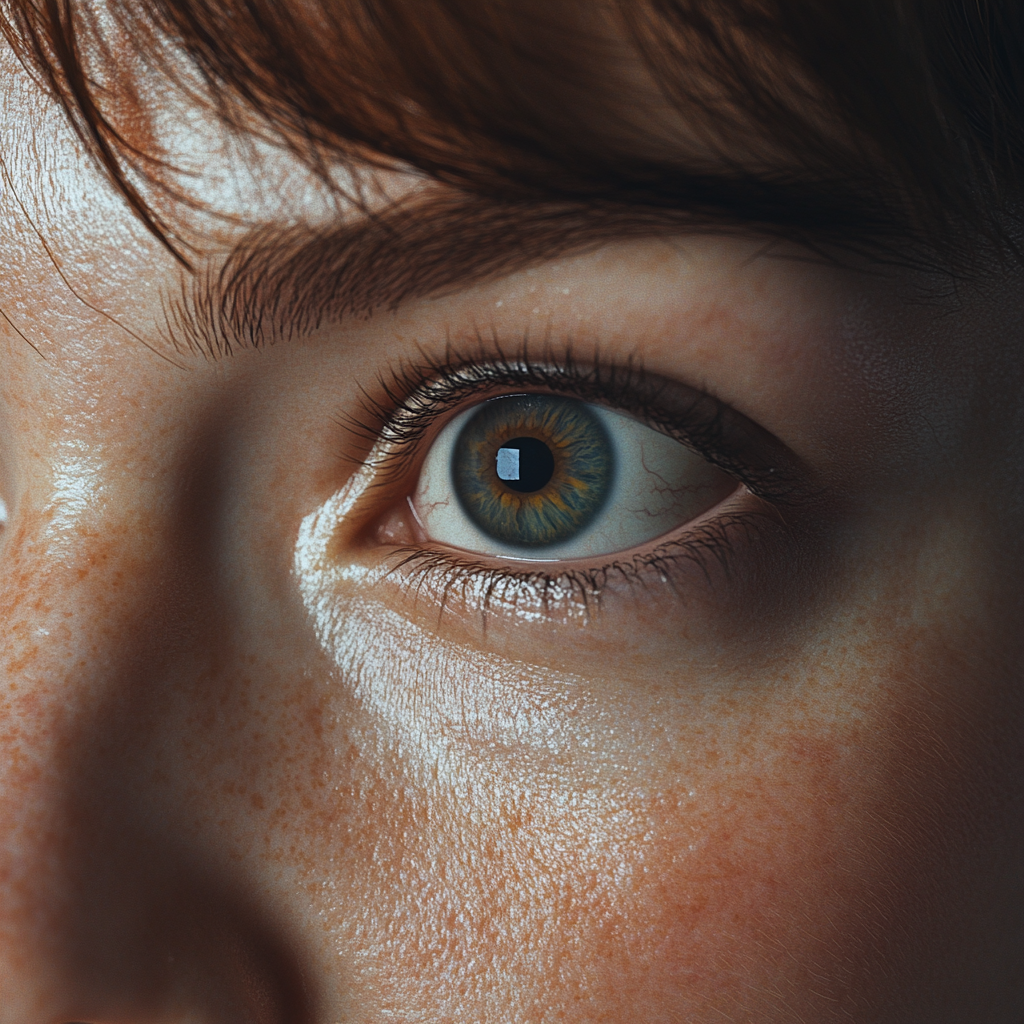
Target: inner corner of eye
column 548, row 477
column 397, row 527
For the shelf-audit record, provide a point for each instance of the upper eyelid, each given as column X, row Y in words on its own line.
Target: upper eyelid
column 410, row 402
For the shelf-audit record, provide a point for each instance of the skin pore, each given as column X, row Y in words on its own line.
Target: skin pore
column 255, row 770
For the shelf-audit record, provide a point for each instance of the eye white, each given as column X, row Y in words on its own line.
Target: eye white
column 658, row 486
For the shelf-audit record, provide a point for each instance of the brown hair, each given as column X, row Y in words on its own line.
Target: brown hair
column 862, row 121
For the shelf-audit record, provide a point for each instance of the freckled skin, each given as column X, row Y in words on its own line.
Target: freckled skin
column 246, row 776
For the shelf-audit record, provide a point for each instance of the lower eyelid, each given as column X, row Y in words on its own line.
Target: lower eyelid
column 698, row 564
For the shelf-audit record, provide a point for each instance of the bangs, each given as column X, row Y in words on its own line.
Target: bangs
column 859, row 122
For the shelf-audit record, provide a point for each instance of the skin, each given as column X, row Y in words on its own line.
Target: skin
column 245, row 776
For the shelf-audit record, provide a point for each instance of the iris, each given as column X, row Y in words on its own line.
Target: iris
column 532, row 470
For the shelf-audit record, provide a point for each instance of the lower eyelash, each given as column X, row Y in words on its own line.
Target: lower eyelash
column 450, row 579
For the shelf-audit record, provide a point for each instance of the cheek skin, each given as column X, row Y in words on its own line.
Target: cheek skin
column 518, row 842
column 554, row 866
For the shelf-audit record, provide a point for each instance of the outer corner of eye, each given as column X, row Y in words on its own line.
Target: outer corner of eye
column 545, row 477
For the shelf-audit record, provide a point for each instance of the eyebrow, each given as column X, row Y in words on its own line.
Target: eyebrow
column 285, row 282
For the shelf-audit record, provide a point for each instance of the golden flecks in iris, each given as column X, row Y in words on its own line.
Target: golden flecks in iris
column 582, row 477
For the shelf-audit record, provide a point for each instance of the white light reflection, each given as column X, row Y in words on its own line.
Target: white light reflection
column 77, row 493
column 508, row 463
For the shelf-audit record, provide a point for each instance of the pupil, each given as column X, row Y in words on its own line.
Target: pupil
column 525, row 464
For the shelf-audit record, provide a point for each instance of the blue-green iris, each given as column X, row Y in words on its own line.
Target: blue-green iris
column 552, row 475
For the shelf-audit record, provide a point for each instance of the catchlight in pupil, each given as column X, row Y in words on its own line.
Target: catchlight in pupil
column 525, row 464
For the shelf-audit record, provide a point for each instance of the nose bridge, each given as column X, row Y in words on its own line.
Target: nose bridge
column 84, row 563
column 77, row 562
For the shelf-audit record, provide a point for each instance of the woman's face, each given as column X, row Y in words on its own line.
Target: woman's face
column 263, row 760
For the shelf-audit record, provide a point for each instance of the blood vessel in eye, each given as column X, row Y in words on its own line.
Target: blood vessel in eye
column 525, row 464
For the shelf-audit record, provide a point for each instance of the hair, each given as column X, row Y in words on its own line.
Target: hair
column 898, row 122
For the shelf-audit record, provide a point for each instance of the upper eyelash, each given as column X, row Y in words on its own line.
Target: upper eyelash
column 415, row 395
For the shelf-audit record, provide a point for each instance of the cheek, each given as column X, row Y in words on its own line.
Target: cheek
column 482, row 849
column 866, row 865
column 816, row 841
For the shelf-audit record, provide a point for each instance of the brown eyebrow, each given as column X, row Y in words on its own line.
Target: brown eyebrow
column 908, row 117
column 281, row 283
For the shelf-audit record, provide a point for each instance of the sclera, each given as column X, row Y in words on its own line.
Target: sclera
column 659, row 485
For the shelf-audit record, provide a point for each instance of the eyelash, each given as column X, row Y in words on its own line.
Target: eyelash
column 412, row 397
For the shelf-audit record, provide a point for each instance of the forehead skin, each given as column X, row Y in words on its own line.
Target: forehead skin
column 244, row 777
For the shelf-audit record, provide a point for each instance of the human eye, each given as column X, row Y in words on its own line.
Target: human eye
column 559, row 471
column 546, row 477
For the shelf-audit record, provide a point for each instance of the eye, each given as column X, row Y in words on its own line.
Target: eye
column 546, row 477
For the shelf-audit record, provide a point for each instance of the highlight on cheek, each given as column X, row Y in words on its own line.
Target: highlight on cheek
column 544, row 477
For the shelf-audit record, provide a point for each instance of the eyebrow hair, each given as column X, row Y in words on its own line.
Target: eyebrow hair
column 285, row 282
column 913, row 109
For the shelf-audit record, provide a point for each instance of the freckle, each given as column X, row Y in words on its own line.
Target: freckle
column 257, row 801
column 14, row 667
